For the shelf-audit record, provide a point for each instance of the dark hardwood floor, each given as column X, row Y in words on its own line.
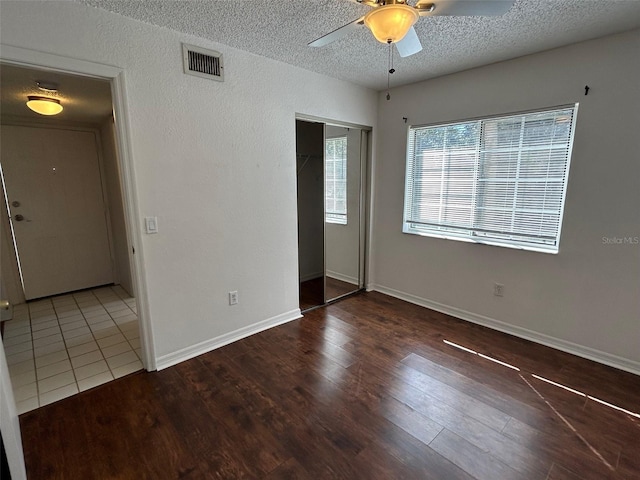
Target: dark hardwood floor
column 363, row 389
column 312, row 295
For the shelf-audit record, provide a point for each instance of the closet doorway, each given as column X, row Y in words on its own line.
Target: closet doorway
column 331, row 161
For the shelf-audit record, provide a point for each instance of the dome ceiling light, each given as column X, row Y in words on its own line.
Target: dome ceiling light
column 45, row 105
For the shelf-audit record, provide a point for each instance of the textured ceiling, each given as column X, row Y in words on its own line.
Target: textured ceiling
column 84, row 99
column 281, row 30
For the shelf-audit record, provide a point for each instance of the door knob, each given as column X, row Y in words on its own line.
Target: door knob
column 18, row 218
column 4, row 304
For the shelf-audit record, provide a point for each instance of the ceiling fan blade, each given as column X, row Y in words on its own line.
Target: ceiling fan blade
column 410, row 44
column 463, row 8
column 337, row 34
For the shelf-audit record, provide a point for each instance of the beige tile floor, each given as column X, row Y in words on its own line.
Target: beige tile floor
column 59, row 346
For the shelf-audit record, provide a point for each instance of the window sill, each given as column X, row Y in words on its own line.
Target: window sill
column 493, row 243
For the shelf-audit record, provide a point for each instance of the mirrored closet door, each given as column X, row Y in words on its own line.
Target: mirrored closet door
column 331, row 162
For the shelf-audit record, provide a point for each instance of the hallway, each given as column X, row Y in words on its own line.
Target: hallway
column 59, row 346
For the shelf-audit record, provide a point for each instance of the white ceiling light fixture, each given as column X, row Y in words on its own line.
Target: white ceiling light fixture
column 45, row 105
column 391, row 22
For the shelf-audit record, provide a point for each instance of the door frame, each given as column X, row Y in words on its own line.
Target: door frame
column 366, row 198
column 117, row 77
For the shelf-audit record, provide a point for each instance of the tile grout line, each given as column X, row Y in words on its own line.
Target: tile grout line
column 122, row 332
column 104, row 359
column 75, row 302
column 64, row 339
column 118, row 328
column 109, row 366
column 33, row 360
column 33, row 357
column 55, row 311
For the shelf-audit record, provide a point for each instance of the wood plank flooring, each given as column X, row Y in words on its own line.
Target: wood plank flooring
column 312, row 291
column 363, row 389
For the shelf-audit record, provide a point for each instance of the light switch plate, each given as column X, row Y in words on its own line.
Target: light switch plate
column 151, row 224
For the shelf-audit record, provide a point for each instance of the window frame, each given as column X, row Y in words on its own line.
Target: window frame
column 470, row 233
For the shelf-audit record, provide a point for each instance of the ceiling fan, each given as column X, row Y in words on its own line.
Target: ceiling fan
column 391, row 21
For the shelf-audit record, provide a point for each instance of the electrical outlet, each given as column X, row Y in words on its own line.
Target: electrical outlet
column 233, row 297
column 498, row 289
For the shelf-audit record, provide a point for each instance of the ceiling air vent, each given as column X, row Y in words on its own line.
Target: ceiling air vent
column 202, row 62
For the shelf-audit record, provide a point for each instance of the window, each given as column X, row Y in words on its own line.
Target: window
column 499, row 180
column 335, row 188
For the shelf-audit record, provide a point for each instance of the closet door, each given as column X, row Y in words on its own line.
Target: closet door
column 343, row 218
column 309, row 165
column 331, row 162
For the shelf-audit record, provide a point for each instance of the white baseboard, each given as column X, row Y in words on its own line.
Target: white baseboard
column 188, row 353
column 557, row 343
column 342, row 278
column 311, row 276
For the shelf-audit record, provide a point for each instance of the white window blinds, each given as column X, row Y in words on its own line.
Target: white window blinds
column 336, row 180
column 499, row 180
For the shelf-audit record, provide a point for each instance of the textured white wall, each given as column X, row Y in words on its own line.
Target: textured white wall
column 214, row 161
column 586, row 298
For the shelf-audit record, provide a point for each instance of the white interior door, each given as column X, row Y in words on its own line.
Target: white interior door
column 57, row 209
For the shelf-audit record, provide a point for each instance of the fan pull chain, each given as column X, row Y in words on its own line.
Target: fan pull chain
column 391, row 69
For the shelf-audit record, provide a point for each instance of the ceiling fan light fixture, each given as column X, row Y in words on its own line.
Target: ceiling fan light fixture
column 391, row 22
column 44, row 105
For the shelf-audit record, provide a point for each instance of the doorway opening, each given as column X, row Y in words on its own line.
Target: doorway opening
column 67, row 264
column 331, row 166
